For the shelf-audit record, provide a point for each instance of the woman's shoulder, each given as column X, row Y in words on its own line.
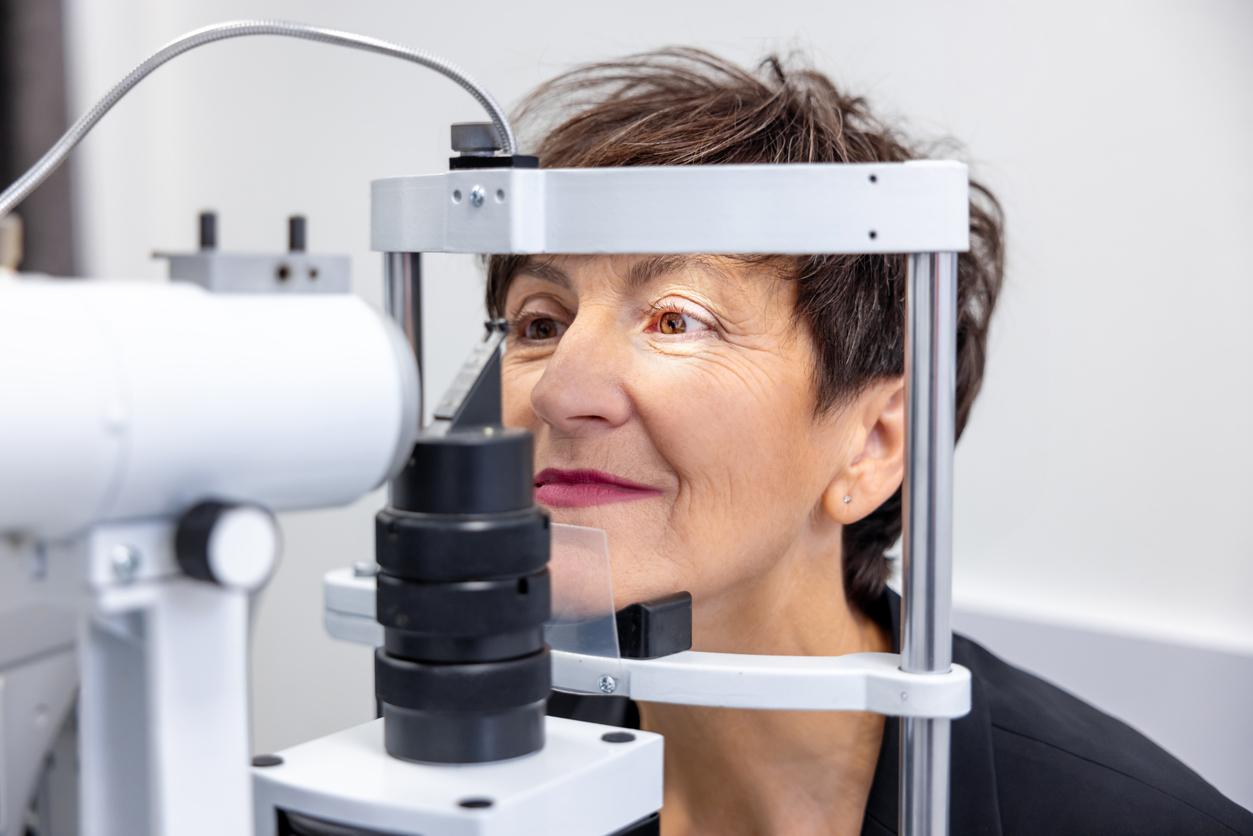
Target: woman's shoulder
column 1061, row 765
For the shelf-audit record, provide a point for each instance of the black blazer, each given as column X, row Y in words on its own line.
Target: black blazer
column 1028, row 759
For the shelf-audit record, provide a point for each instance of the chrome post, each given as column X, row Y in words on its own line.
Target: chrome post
column 402, row 295
column 927, row 538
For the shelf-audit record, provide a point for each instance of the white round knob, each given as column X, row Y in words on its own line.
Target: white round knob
column 235, row 546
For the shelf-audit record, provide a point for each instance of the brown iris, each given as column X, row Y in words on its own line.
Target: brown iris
column 672, row 322
column 541, row 329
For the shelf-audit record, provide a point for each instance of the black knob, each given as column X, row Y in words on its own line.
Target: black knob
column 296, row 234
column 232, row 545
column 208, row 230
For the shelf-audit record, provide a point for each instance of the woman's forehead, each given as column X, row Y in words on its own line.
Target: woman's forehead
column 633, row 272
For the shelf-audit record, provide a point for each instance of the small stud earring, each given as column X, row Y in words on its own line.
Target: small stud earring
column 847, row 499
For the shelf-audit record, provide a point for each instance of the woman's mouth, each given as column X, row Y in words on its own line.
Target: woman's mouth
column 581, row 488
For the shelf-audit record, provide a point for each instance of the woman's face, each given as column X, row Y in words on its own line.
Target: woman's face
column 672, row 403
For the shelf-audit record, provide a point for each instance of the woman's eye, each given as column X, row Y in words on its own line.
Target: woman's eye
column 677, row 322
column 541, row 328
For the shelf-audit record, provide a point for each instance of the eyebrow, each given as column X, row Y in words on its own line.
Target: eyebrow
column 639, row 274
column 545, row 270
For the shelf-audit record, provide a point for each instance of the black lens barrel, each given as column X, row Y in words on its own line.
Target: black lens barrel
column 463, row 594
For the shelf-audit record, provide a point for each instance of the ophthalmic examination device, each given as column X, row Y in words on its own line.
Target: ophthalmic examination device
column 150, row 431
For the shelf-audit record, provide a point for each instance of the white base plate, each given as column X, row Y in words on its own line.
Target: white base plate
column 578, row 785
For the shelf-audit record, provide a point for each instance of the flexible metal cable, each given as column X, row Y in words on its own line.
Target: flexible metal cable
column 49, row 162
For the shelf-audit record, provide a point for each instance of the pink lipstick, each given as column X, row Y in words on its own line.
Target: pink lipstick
column 582, row 488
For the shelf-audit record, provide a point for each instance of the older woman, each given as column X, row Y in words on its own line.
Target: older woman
column 736, row 425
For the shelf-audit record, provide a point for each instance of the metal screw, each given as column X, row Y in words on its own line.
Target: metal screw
column 607, row 684
column 477, row 196
column 364, row 569
column 125, row 561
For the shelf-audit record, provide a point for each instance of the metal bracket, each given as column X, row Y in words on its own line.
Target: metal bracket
column 261, row 272
column 295, row 271
column 918, row 206
column 855, row 682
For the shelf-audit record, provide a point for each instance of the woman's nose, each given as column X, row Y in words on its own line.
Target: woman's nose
column 582, row 389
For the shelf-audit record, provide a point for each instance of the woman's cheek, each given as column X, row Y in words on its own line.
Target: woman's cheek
column 732, row 425
column 721, row 395
column 707, row 429
column 518, row 379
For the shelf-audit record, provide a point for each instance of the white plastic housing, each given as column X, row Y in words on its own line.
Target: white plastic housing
column 123, row 400
column 579, row 784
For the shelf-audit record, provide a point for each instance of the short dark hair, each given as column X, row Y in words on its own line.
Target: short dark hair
column 682, row 106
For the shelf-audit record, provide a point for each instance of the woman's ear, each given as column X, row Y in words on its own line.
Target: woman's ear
column 877, row 464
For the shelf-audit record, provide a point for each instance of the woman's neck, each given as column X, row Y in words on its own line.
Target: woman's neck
column 732, row 771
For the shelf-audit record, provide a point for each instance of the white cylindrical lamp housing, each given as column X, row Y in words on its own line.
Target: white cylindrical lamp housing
column 128, row 400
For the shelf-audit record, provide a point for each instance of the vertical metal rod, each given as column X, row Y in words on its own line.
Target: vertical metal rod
column 926, row 631
column 402, row 294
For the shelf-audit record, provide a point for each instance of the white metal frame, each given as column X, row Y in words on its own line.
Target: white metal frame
column 918, row 206
column 919, row 209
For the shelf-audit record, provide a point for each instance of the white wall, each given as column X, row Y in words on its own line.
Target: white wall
column 1104, row 483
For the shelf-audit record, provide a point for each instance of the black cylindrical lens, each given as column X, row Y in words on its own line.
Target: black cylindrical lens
column 463, row 594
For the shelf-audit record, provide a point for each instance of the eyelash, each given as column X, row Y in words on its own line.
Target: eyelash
column 519, row 322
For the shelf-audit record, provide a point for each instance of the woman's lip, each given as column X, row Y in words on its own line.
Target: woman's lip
column 581, row 488
column 584, row 476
